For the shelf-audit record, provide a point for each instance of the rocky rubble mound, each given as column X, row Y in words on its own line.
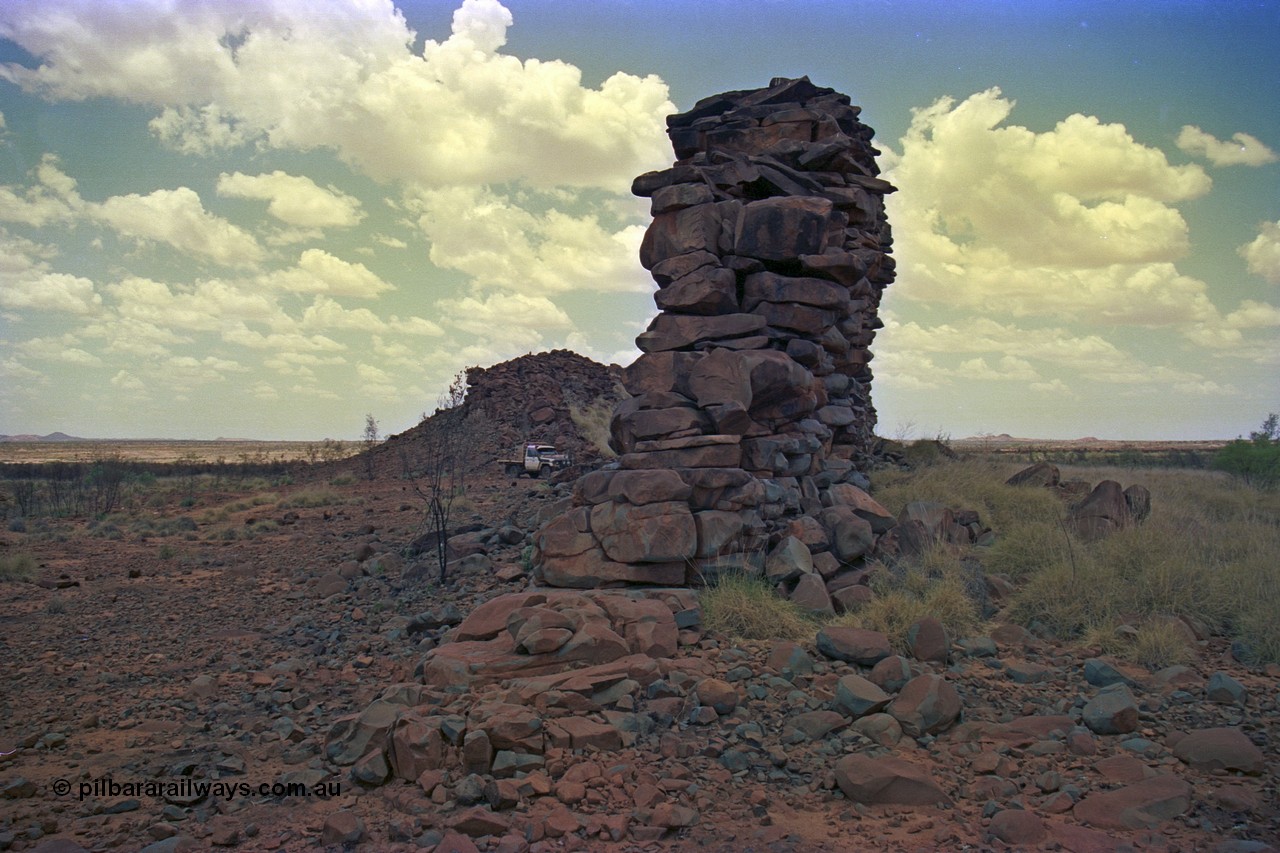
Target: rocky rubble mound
column 667, row 734
column 527, row 399
column 751, row 401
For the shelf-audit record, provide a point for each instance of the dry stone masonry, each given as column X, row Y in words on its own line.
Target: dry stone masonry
column 750, row 409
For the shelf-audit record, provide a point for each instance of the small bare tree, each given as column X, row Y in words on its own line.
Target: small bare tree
column 441, row 477
column 370, row 439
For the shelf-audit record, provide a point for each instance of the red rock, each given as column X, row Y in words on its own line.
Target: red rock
column 681, row 331
column 886, row 781
column 1042, row 474
column 351, row 737
column 853, row 645
column 490, row 618
column 928, row 704
column 1142, row 805
column 581, row 733
column 478, row 821
column 717, row 694
column 858, row 697
column 780, row 228
column 863, row 505
column 928, row 641
column 850, row 598
column 416, row 746
column 342, row 827
column 816, row 725
column 651, row 533
column 1103, row 512
column 1220, row 749
column 706, row 291
column 811, row 595
column 1080, row 839
column 1035, row 727
column 1123, row 768
column 851, row 535
column 672, row 816
column 1017, row 827
column 561, row 822
column 648, row 487
column 456, row 842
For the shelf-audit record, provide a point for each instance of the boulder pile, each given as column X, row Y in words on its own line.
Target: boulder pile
column 1093, row 512
column 750, row 409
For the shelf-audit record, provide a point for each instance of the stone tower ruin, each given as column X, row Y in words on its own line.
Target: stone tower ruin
column 751, row 409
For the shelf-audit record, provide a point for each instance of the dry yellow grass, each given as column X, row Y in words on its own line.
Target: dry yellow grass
column 592, row 420
column 17, row 567
column 747, row 608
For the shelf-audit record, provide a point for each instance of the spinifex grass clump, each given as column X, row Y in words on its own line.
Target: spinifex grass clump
column 940, row 583
column 17, row 567
column 1207, row 553
column 748, row 608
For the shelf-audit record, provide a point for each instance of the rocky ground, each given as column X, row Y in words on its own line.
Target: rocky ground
column 243, row 662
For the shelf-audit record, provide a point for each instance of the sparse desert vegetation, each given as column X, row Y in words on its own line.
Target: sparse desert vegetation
column 17, row 567
column 1206, row 558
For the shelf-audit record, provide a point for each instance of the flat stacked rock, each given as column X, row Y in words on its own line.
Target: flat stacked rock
column 751, row 403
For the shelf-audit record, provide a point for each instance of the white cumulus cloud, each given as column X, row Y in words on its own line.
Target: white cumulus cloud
column 295, row 199
column 1077, row 222
column 178, row 218
column 1241, row 150
column 292, row 74
column 1263, row 254
column 317, row 271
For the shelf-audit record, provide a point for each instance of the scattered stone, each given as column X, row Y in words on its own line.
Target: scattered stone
column 858, row 697
column 1224, row 748
column 1225, row 690
column 1113, row 711
column 887, row 781
column 853, row 645
column 1018, row 827
column 1142, row 805
column 342, row 827
column 928, row 641
column 927, row 705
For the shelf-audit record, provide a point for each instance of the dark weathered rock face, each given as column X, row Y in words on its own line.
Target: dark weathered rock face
column 769, row 245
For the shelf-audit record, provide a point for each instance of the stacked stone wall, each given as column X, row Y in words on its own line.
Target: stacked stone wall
column 751, row 405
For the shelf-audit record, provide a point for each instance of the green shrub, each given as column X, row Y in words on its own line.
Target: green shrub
column 1256, row 463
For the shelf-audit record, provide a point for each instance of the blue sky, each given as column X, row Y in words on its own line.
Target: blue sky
column 265, row 219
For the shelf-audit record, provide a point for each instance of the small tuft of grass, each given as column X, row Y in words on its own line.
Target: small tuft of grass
column 1158, row 644
column 17, row 567
column 55, row 605
column 936, row 585
column 748, row 608
column 311, row 498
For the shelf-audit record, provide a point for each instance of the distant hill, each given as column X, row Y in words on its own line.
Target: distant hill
column 53, row 436
column 530, row 398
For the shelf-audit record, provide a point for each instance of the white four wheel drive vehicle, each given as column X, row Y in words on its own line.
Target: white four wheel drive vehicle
column 539, row 461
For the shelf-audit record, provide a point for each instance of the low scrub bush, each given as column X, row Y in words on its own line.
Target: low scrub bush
column 17, row 567
column 311, row 498
column 748, row 608
column 1255, row 462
